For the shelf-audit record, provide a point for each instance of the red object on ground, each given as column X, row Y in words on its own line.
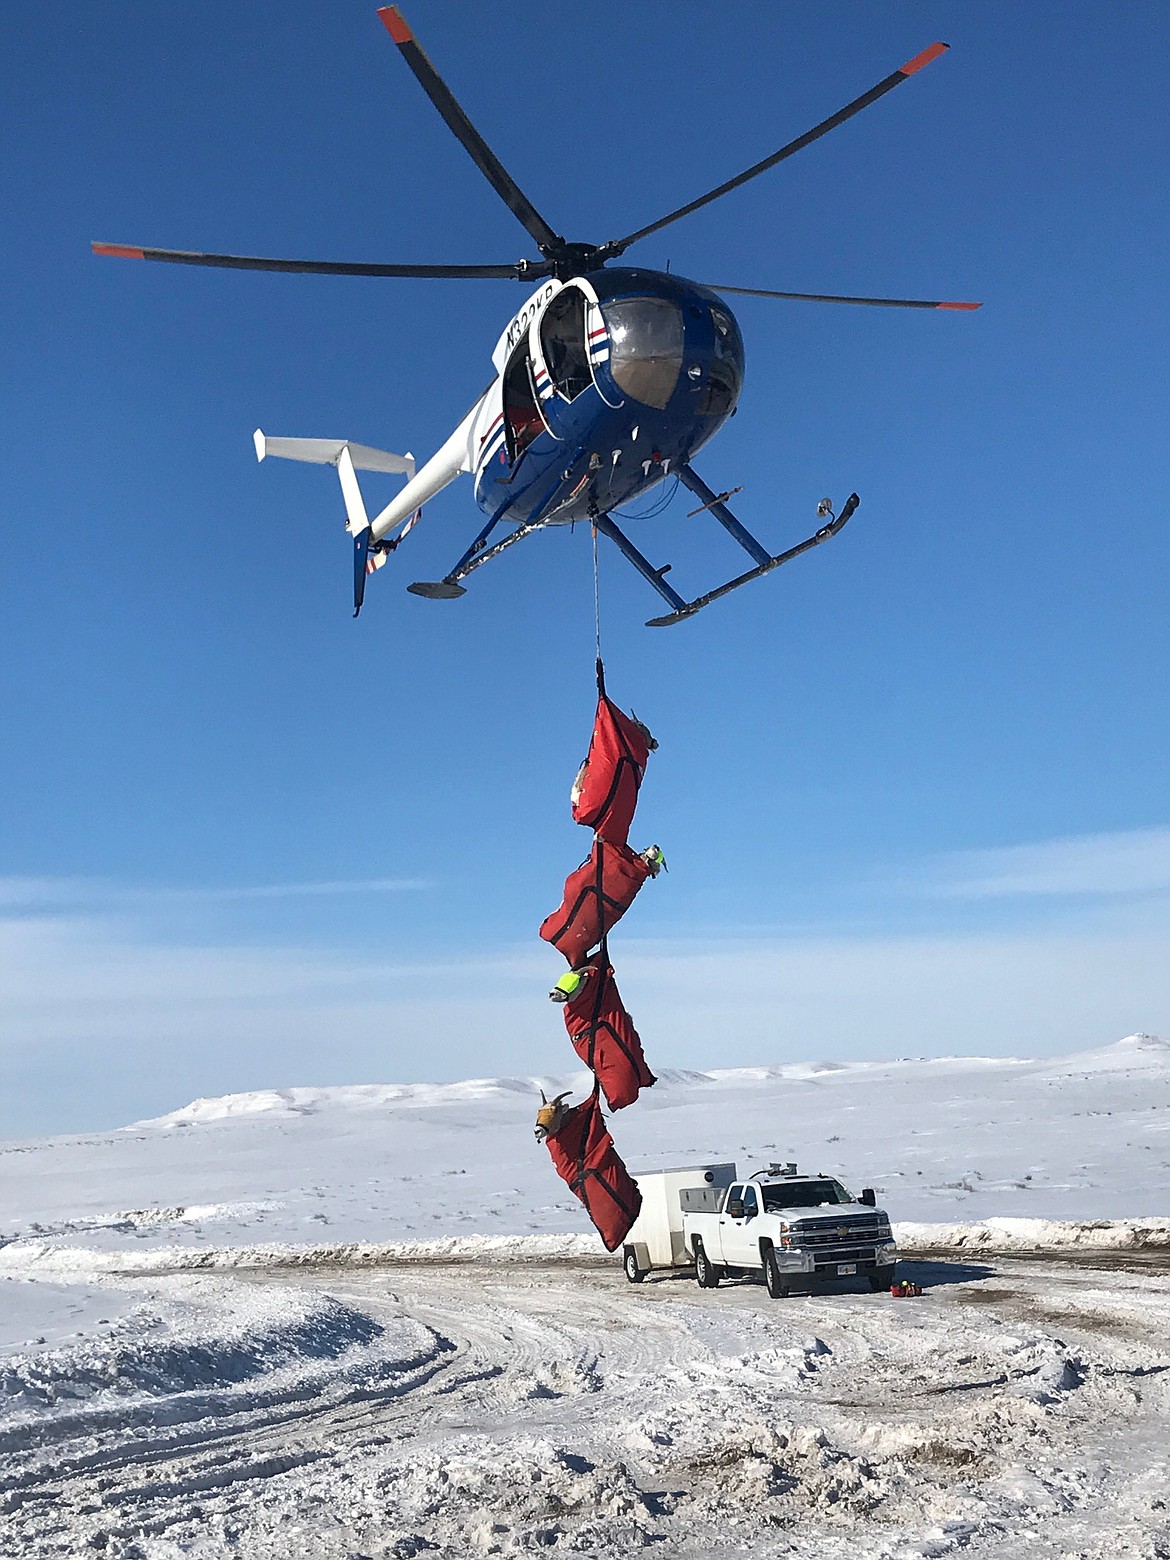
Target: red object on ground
column 597, row 895
column 585, row 1158
column 605, row 1039
column 606, row 791
column 906, row 1290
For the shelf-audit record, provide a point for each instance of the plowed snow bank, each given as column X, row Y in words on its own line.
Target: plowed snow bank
column 45, row 1260
column 1007, row 1235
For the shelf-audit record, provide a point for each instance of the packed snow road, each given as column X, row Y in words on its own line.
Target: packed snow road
column 1018, row 1407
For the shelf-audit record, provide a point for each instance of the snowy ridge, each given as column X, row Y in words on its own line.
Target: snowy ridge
column 308, row 1101
column 1137, row 1050
column 375, row 1096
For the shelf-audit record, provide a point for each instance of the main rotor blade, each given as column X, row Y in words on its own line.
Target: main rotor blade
column 462, row 128
column 519, row 270
column 874, row 303
column 895, row 79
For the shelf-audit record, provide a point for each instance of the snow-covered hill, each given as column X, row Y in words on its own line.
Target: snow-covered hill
column 957, row 1140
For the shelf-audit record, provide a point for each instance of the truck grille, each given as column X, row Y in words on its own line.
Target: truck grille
column 835, row 1232
column 863, row 1254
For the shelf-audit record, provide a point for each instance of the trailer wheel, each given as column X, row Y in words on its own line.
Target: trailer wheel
column 705, row 1270
column 634, row 1273
column 773, row 1277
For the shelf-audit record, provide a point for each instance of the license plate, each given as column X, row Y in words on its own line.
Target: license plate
column 846, row 1269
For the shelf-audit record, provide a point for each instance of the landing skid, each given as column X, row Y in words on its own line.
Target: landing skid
column 449, row 587
column 479, row 553
column 437, row 590
column 688, row 609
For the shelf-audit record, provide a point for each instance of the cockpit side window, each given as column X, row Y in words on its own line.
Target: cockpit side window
column 725, row 380
column 646, row 347
column 522, row 419
column 562, row 342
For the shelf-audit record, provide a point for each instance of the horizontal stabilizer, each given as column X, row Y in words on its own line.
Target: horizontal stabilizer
column 327, row 452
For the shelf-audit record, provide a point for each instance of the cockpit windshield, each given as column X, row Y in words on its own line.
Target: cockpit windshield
column 645, row 347
column 803, row 1194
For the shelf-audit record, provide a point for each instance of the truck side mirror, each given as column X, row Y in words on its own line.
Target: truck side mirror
column 735, row 1208
column 868, row 1198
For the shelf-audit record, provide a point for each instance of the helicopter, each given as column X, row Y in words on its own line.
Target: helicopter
column 607, row 380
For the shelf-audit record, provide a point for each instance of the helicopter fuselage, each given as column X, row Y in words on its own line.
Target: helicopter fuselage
column 606, row 383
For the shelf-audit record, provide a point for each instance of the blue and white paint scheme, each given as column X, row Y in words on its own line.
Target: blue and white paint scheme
column 607, row 380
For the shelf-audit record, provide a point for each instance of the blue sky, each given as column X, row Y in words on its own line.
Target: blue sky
column 912, row 790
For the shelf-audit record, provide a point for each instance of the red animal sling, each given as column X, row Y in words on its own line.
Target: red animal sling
column 605, row 1039
column 585, row 1158
column 606, row 789
column 596, row 897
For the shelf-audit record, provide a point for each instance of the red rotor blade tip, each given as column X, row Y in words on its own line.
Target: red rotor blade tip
column 958, row 305
column 122, row 251
column 395, row 24
column 919, row 60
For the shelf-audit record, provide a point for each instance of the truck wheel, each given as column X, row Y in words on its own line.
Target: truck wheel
column 883, row 1277
column 633, row 1272
column 773, row 1277
column 705, row 1270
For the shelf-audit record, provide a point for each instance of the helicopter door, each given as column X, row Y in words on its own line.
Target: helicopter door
column 563, row 345
column 522, row 419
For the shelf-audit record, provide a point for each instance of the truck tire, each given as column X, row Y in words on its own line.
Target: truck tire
column 634, row 1273
column 883, row 1277
column 777, row 1283
column 705, row 1270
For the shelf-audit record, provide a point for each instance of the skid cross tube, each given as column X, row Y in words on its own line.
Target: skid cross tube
column 689, row 608
column 712, row 501
column 643, row 565
column 476, row 547
column 448, row 588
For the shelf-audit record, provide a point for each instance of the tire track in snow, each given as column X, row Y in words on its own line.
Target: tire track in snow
column 566, row 1408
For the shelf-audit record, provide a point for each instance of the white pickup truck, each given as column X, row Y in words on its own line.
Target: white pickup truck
column 795, row 1229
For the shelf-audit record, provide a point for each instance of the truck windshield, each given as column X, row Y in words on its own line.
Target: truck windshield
column 803, row 1194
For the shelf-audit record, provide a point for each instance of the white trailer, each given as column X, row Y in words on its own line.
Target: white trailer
column 656, row 1238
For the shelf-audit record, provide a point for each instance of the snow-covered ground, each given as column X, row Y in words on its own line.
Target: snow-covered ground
column 264, row 1325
